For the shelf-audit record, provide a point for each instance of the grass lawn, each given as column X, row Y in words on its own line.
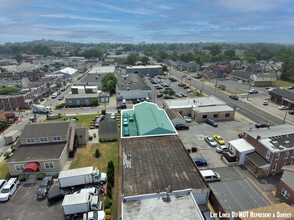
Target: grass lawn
column 84, row 120
column 85, row 157
column 4, row 171
column 282, row 83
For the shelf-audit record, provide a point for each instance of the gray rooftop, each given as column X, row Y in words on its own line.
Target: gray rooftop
column 241, row 74
column 257, row 159
column 272, row 131
column 232, row 199
column 151, row 164
column 45, row 129
column 87, row 95
column 131, row 81
column 220, row 108
column 37, row 152
column 283, row 93
column 102, row 69
column 90, row 79
column 180, row 207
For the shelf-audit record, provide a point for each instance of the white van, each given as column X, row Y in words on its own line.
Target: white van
column 54, row 95
column 210, row 176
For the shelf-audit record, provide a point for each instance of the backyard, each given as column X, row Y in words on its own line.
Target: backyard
column 83, row 120
column 4, row 171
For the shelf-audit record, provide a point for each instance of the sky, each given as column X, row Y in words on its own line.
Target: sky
column 151, row 21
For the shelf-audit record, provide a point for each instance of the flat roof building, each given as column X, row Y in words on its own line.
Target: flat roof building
column 102, row 70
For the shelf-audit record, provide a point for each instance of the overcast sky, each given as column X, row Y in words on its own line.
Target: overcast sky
column 151, row 21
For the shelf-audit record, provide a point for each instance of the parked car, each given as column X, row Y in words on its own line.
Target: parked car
column 44, row 187
column 261, row 125
column 219, row 139
column 200, row 161
column 189, row 90
column 112, row 115
column 187, row 119
column 9, row 189
column 98, row 120
column 291, row 112
column 211, row 122
column 60, row 98
column 63, row 89
column 241, row 135
column 210, row 141
column 290, row 87
column 270, row 89
column 182, row 127
column 221, row 148
column 178, row 95
column 186, row 87
column 55, row 197
column 252, row 91
column 168, row 97
column 2, row 183
column 184, row 95
column 265, row 103
column 234, row 97
column 210, row 176
column 159, row 95
column 282, row 107
column 181, row 85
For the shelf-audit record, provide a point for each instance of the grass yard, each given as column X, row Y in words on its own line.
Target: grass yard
column 84, row 120
column 282, row 83
column 86, row 157
column 4, row 171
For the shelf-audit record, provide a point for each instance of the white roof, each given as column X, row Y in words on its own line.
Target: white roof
column 76, row 172
column 68, row 70
column 241, row 145
column 75, row 199
column 88, row 190
column 219, row 108
column 102, row 69
column 207, row 172
column 144, row 67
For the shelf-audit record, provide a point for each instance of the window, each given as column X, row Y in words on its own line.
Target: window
column 215, row 116
column 227, row 115
column 268, row 154
column 49, row 165
column 292, row 155
column 277, row 156
column 274, row 167
column 30, row 140
column 204, row 116
column 287, row 155
column 56, row 139
column 285, row 193
column 19, row 167
column 43, row 140
column 78, row 102
column 291, row 162
column 284, row 164
column 70, row 102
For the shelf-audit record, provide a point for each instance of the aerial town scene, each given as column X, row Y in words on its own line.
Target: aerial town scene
column 147, row 110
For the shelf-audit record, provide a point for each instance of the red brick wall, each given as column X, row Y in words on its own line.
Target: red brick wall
column 282, row 185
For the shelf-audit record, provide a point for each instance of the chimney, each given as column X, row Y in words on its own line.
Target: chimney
column 258, row 137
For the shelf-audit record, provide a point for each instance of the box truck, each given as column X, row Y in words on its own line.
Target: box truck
column 11, row 136
column 41, row 109
column 81, row 176
column 79, row 203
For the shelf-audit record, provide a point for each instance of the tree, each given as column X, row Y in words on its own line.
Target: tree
column 215, row 50
column 118, row 52
column 18, row 57
column 109, row 81
column 97, row 153
column 164, row 67
column 131, row 60
column 161, row 55
column 169, row 92
column 174, row 56
column 3, row 70
column 288, row 70
column 145, row 60
column 45, row 68
column 230, row 53
column 9, row 90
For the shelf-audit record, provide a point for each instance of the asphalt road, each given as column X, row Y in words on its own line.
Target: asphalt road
column 244, row 108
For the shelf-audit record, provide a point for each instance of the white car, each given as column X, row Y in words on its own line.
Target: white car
column 221, row 148
column 2, row 183
column 112, row 115
column 9, row 189
column 210, row 141
column 187, row 119
column 282, row 107
column 252, row 91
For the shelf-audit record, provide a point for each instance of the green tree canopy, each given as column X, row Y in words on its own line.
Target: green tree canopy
column 215, row 50
column 3, row 69
column 145, row 60
column 9, row 90
column 169, row 92
column 109, row 81
column 131, row 60
column 18, row 57
column 288, row 70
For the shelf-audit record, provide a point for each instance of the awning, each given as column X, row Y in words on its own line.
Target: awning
column 257, row 160
column 31, row 167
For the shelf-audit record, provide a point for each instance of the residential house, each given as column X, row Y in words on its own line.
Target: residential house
column 263, row 79
column 45, row 147
column 132, row 86
column 254, row 67
column 285, row 189
column 282, row 97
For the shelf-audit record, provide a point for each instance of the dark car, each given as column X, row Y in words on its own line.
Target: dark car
column 98, row 120
column 44, row 187
column 168, row 97
column 60, row 98
column 291, row 112
column 200, row 161
column 55, row 197
column 261, row 125
column 211, row 122
column 159, row 95
column 234, row 97
column 63, row 89
column 182, row 127
column 181, row 85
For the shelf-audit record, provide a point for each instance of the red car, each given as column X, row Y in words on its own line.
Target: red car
column 241, row 135
column 186, row 87
column 159, row 95
column 290, row 87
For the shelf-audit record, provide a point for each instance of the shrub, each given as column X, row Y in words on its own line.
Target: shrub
column 108, row 217
column 110, row 179
column 40, row 176
column 60, row 105
column 110, row 166
column 12, row 148
column 107, row 211
column 109, row 191
column 97, row 153
column 22, row 177
column 107, row 203
column 6, row 154
column 103, row 112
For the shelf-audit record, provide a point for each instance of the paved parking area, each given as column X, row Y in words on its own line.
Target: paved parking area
column 23, row 205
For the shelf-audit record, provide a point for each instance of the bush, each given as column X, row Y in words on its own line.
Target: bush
column 107, row 203
column 12, row 148
column 6, row 154
column 110, row 179
column 60, row 105
column 108, row 217
column 97, row 153
column 21, row 177
column 103, row 112
column 40, row 176
column 107, row 211
column 109, row 191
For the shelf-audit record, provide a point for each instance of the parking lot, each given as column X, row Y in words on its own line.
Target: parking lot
column 23, row 205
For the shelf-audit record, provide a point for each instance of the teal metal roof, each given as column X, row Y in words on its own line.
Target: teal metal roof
column 149, row 120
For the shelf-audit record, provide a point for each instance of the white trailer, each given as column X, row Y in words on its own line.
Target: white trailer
column 41, row 109
column 11, row 136
column 79, row 203
column 81, row 176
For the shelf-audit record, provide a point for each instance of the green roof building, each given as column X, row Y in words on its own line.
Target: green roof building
column 147, row 120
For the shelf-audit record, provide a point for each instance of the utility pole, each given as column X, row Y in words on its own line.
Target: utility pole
column 202, row 86
column 249, row 89
column 285, row 117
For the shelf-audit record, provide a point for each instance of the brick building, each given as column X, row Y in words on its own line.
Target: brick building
column 285, row 190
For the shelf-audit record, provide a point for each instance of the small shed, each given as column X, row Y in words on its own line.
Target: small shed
column 108, row 129
column 240, row 148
